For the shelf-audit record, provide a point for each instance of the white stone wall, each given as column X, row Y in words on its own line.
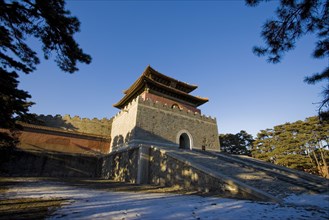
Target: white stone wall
column 123, row 125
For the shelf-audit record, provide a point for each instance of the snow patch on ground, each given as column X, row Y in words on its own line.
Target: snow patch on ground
column 321, row 201
column 99, row 204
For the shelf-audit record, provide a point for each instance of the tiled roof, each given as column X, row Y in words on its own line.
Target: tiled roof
column 153, row 79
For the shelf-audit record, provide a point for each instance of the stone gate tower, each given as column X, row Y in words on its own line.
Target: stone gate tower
column 158, row 110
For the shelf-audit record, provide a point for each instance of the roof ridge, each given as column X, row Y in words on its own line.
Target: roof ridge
column 171, row 78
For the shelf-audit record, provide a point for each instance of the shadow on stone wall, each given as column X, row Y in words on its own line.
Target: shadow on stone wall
column 165, row 170
column 84, row 125
column 56, row 121
column 121, row 166
column 139, row 136
column 16, row 162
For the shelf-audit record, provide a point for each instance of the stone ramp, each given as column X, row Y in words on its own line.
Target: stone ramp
column 208, row 172
column 305, row 180
column 253, row 178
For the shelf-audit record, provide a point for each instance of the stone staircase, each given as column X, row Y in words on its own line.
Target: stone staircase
column 310, row 182
column 269, row 181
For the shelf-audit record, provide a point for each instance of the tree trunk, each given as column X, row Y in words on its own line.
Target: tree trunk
column 325, row 170
column 317, row 163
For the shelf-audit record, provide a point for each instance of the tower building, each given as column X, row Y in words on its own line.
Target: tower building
column 159, row 110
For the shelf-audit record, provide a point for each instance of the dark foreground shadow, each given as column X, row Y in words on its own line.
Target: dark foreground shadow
column 16, row 162
column 29, row 208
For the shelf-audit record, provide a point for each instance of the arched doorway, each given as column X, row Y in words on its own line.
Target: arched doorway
column 184, row 140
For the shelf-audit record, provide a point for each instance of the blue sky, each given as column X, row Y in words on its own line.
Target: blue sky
column 208, row 43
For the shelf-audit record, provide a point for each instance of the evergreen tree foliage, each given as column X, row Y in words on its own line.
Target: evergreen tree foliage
column 46, row 21
column 13, row 102
column 301, row 145
column 294, row 19
column 239, row 143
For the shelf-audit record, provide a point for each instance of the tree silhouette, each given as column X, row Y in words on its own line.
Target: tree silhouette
column 54, row 27
column 294, row 19
column 239, row 143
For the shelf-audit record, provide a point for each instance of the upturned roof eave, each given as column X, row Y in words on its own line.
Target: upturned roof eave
column 136, row 83
column 139, row 83
column 188, row 86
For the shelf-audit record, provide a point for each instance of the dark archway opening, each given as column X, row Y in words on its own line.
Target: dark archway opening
column 184, row 141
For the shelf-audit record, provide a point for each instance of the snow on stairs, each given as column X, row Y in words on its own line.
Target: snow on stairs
column 260, row 179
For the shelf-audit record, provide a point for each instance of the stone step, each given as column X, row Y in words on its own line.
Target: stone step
column 308, row 181
column 277, row 185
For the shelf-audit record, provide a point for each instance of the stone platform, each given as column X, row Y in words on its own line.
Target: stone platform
column 225, row 175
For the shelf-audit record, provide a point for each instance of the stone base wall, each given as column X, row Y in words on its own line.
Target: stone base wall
column 121, row 166
column 149, row 165
column 15, row 162
column 137, row 164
